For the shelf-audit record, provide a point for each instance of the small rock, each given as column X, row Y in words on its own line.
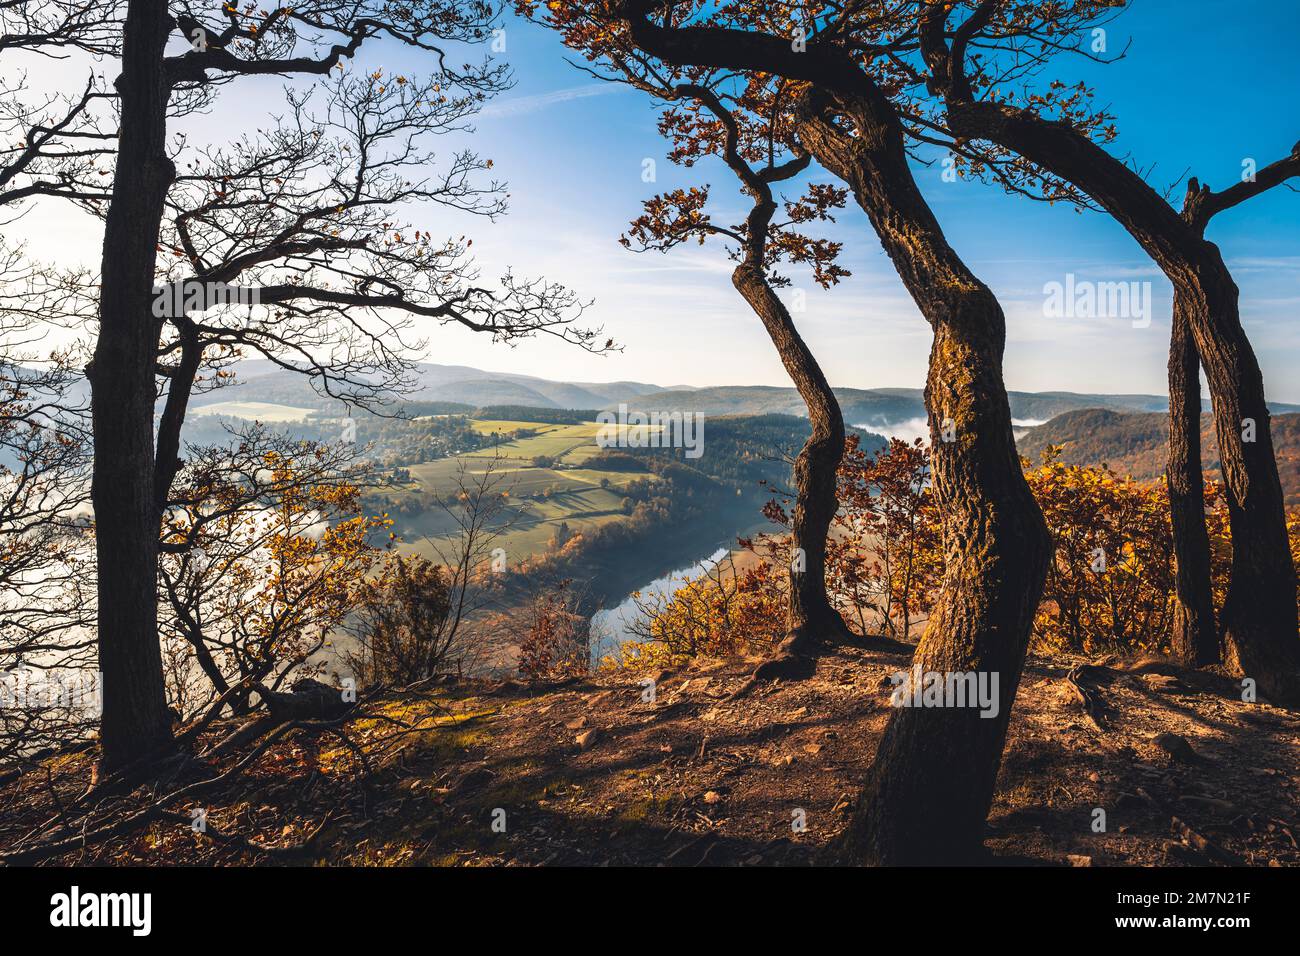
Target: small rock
column 1178, row 748
column 586, row 741
column 576, row 724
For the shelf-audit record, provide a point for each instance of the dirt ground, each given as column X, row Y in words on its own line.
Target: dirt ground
column 589, row 773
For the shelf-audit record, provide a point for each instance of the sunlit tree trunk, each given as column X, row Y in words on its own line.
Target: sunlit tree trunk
column 929, row 789
column 1259, row 613
column 811, row 620
column 1258, row 619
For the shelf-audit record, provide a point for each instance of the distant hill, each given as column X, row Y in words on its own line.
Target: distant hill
column 261, row 381
column 881, row 407
column 1134, row 443
column 860, row 406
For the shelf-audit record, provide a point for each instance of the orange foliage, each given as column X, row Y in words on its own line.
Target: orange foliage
column 1111, row 585
column 719, row 614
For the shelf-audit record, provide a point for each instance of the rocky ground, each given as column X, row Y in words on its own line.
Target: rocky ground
column 591, row 773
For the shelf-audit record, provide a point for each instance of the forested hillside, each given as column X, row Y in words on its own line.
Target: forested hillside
column 1136, row 444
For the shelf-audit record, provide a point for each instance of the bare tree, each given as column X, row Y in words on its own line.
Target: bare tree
column 53, row 144
column 48, row 685
column 418, row 617
column 319, row 245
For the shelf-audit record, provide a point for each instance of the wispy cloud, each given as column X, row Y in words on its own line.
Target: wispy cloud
column 522, row 105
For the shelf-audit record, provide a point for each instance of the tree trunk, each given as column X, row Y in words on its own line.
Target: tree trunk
column 136, row 724
column 811, row 621
column 1195, row 639
column 1259, row 615
column 929, row 789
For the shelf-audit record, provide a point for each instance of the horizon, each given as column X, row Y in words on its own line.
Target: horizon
column 571, row 149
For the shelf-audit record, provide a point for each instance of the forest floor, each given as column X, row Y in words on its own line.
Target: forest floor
column 588, row 773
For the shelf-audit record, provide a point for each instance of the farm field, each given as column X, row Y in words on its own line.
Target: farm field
column 257, row 411
column 541, row 498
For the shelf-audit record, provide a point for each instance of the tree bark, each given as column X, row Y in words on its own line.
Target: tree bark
column 136, row 724
column 811, row 620
column 1259, row 613
column 930, row 786
column 180, row 385
column 1259, row 619
column 1195, row 639
column 996, row 544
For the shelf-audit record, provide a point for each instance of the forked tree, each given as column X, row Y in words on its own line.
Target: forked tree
column 1195, row 638
column 965, row 52
column 318, row 241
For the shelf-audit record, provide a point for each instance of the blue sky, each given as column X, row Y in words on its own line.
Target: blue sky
column 1204, row 85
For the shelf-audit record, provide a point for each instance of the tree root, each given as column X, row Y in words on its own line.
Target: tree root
column 1078, row 680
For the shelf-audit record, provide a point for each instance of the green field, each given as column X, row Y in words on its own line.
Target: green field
column 259, row 411
column 540, row 498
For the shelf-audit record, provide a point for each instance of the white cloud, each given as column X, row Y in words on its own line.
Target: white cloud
column 522, row 105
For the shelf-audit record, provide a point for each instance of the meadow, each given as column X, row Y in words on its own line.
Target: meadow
column 541, row 497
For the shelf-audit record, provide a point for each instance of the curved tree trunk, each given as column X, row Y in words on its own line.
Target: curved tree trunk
column 930, row 787
column 811, row 621
column 1195, row 639
column 136, row 724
